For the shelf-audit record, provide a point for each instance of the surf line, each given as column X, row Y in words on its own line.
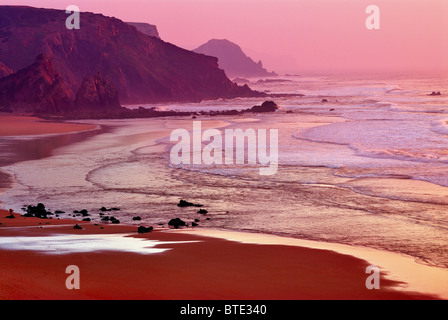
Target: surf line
column 189, row 150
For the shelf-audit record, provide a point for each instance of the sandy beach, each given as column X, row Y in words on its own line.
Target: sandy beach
column 197, row 265
column 12, row 125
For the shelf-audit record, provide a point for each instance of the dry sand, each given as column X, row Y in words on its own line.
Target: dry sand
column 11, row 125
column 207, row 268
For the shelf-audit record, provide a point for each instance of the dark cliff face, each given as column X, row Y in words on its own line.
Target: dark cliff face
column 5, row 70
column 97, row 94
column 233, row 60
column 37, row 88
column 141, row 67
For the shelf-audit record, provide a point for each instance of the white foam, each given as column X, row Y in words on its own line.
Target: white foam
column 64, row 244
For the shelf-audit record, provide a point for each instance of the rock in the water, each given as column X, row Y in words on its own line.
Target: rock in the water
column 202, row 211
column 194, row 224
column 136, row 218
column 183, row 203
column 37, row 211
column 176, row 223
column 267, row 106
column 84, row 213
column 114, row 220
column 77, row 227
column 434, row 93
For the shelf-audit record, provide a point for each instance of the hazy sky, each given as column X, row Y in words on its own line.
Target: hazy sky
column 296, row 36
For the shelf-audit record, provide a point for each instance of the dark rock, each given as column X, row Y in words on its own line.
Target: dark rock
column 196, row 220
column 143, row 229
column 37, row 211
column 203, row 211
column 84, row 213
column 434, row 93
column 77, row 227
column 176, row 223
column 114, row 220
column 86, row 219
column 239, row 80
column 11, row 216
column 194, row 224
column 115, row 209
column 267, row 106
column 183, row 203
column 97, row 94
column 104, row 209
column 324, row 100
column 106, row 218
column 59, row 211
column 332, row 109
column 136, row 218
column 207, row 219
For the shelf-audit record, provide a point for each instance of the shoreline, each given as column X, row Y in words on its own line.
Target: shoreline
column 398, row 267
column 363, row 254
column 211, row 268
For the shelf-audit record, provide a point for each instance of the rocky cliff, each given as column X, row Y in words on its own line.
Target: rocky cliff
column 97, row 94
column 233, row 60
column 146, row 28
column 143, row 68
column 5, row 70
column 37, row 88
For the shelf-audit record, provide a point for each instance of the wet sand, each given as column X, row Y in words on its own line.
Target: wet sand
column 206, row 268
column 211, row 267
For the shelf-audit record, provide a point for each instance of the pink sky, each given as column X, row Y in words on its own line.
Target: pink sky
column 296, row 36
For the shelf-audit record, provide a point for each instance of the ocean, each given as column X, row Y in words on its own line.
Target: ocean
column 367, row 166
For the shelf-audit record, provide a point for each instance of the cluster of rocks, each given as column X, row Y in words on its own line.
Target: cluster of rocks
column 177, row 222
column 38, row 211
column 434, row 93
column 124, row 113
